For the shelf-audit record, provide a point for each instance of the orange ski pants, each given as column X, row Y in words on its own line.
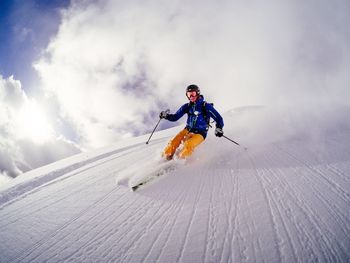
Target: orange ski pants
column 190, row 142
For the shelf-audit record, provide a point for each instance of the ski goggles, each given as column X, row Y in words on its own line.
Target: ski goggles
column 191, row 93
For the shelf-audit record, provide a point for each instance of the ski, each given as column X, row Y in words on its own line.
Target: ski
column 161, row 171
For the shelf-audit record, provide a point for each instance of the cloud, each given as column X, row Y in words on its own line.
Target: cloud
column 24, row 144
column 114, row 65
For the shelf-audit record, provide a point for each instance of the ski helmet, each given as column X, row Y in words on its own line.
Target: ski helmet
column 193, row 87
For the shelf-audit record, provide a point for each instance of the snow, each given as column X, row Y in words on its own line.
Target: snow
column 285, row 199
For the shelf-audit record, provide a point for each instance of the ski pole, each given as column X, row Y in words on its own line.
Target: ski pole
column 153, row 131
column 245, row 148
column 228, row 138
column 231, row 140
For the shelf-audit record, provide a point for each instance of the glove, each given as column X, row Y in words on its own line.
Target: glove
column 164, row 114
column 219, row 132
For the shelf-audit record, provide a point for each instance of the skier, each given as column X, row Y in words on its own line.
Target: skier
column 198, row 117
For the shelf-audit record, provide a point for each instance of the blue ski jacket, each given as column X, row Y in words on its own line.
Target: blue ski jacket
column 198, row 116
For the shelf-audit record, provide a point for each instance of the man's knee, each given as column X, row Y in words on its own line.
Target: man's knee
column 190, row 145
column 174, row 143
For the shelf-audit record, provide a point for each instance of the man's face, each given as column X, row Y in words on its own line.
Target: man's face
column 192, row 95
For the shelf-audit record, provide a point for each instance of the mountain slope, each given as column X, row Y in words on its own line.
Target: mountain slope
column 285, row 200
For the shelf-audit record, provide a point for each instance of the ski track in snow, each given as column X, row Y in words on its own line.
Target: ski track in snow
column 273, row 203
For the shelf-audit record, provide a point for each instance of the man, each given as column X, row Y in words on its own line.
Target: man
column 199, row 113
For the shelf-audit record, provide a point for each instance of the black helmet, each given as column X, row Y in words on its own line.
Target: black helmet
column 193, row 87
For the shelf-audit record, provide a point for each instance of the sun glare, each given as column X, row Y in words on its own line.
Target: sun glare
column 33, row 123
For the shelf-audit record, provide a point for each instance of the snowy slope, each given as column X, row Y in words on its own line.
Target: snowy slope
column 285, row 199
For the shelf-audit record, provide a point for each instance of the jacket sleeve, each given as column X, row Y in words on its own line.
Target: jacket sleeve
column 215, row 115
column 178, row 114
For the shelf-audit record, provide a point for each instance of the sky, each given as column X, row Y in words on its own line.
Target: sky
column 26, row 28
column 83, row 74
